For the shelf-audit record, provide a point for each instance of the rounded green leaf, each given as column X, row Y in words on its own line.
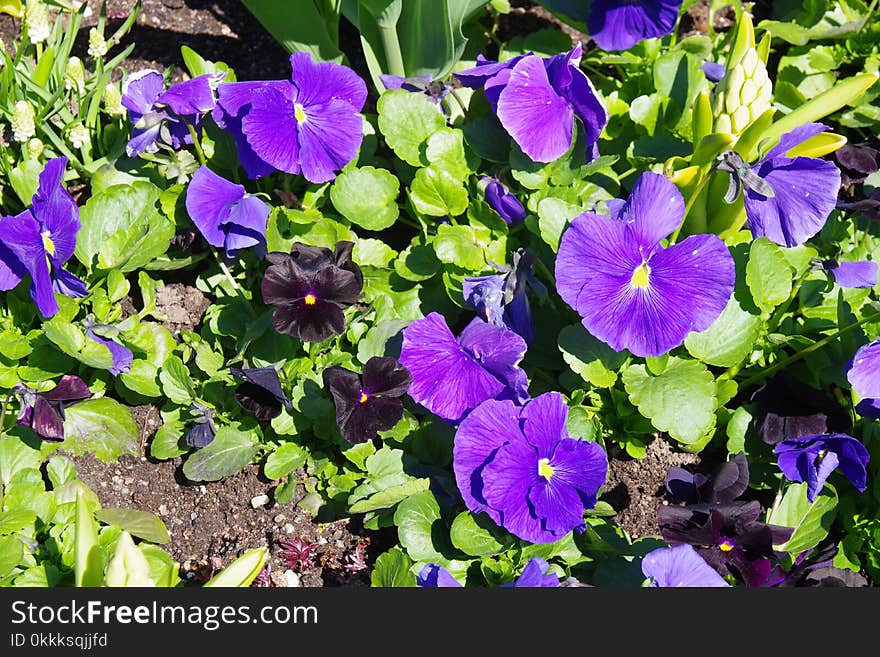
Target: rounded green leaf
column 728, row 340
column 393, row 569
column 475, row 535
column 367, row 197
column 768, row 274
column 103, row 426
column 593, row 360
column 438, row 193
column 284, row 460
column 459, row 245
column 407, row 120
column 415, row 518
column 227, row 454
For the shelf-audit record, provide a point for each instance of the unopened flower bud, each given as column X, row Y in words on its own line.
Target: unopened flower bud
column 34, row 148
column 78, row 136
column 36, row 20
column 113, row 101
column 22, row 121
column 75, row 75
column 744, row 93
column 97, row 45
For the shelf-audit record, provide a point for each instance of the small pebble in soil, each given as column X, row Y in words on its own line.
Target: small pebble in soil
column 259, row 500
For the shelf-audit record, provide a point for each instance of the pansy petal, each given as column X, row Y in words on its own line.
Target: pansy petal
column 141, row 89
column 46, row 421
column 433, row 575
column 69, row 387
column 143, row 141
column 485, row 69
column 680, row 566
column 370, row 417
column 654, row 210
column 200, row 435
column 386, row 376
column 122, row 356
column 209, row 199
column 190, row 97
column 864, row 371
column 557, row 505
column 63, row 282
column 581, row 465
column 319, row 82
column 486, row 295
column 499, row 351
column 11, row 269
column 272, row 130
column 617, row 25
column 853, row 457
column 793, row 138
column 863, row 274
column 22, row 236
column 329, row 138
column 531, row 111
column 55, row 209
column 543, row 423
column 535, row 575
column 309, row 322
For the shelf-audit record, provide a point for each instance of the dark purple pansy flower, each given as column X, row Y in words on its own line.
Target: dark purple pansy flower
column 787, row 408
column 452, row 376
column 680, row 566
column 859, row 273
column 310, row 124
column 812, row 459
column 863, row 374
column 202, row 432
column 727, row 483
column 536, row 100
column 616, row 25
column 816, row 569
column 160, row 116
column 507, row 205
column 369, row 402
column 520, row 466
column 714, row 72
column 260, row 393
column 40, row 240
column 534, row 575
column 857, row 162
column 501, row 299
column 729, row 536
column 43, row 412
column 804, row 191
column 226, row 216
column 310, row 288
column 122, row 355
column 633, row 293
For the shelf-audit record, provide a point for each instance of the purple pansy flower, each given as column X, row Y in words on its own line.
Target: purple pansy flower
column 310, row 124
column 452, row 376
column 616, row 25
column 520, row 466
column 507, row 205
column 226, row 216
column 536, row 100
column 859, row 273
column 202, row 432
column 260, row 392
column 40, row 240
column 43, row 412
column 804, row 191
column 122, row 355
column 811, row 459
column 680, row 566
column 534, row 575
column 863, row 373
column 630, row 291
column 160, row 116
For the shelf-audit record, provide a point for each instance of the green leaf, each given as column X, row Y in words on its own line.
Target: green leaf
column 388, row 497
column 367, row 197
column 242, row 571
column 88, row 556
column 15, row 456
column 415, row 518
column 768, row 274
column 437, row 193
column 176, row 381
column 593, row 360
column 13, row 345
column 407, row 120
column 228, row 453
column 123, row 228
column 284, row 460
column 680, row 401
column 459, row 245
column 417, row 262
column 811, row 521
column 129, row 566
column 11, row 553
column 554, row 216
column 393, row 569
column 102, row 426
column 445, row 151
column 25, row 179
column 15, row 520
column 70, row 339
column 143, row 524
column 728, row 340
column 309, row 26
column 475, row 535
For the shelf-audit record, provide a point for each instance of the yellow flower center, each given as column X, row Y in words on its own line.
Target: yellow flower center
column 363, row 399
column 821, row 455
column 310, row 299
column 640, row 276
column 299, row 113
column 48, row 244
column 726, row 546
column 545, row 469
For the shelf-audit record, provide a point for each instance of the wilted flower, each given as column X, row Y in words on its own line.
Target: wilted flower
column 226, row 216
column 633, row 293
column 22, row 121
column 615, row 25
column 680, row 566
column 160, row 116
column 261, row 392
column 499, row 198
column 857, row 162
column 534, row 575
column 36, row 21
column 370, row 402
column 812, row 459
column 79, row 136
column 40, row 240
column 536, row 100
column 520, row 466
column 310, row 125
column 863, row 373
column 75, row 75
column 122, row 355
column 310, row 288
column 435, row 90
column 201, row 434
column 815, row 568
column 43, row 412
column 452, row 376
column 729, row 480
column 859, row 273
column 97, row 44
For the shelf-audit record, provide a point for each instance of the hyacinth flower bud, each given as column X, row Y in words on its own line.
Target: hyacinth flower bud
column 36, row 20
column 75, row 75
column 78, row 135
column 22, row 121
column 113, row 100
column 97, row 44
column 34, row 148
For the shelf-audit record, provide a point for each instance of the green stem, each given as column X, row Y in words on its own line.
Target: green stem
column 229, row 277
column 806, row 351
column 690, row 204
column 198, row 146
column 545, row 272
column 3, row 413
column 868, row 15
column 391, row 45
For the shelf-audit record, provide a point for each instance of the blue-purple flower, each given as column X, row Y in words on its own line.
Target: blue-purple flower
column 452, row 376
column 40, row 240
column 680, row 566
column 714, row 71
column 630, row 291
column 804, row 191
column 202, row 432
column 858, row 273
column 812, row 459
column 226, row 216
column 534, row 575
column 536, row 99
column 863, row 373
column 310, row 124
column 160, row 116
column 506, row 204
column 520, row 466
column 616, row 25
column 122, row 355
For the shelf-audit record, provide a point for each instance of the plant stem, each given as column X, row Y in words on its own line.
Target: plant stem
column 690, row 204
column 228, row 275
column 3, row 414
column 197, row 144
column 391, row 45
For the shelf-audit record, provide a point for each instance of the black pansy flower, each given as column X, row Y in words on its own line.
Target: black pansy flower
column 310, row 288
column 857, row 162
column 370, row 402
column 815, row 568
column 727, row 483
column 201, row 434
column 261, row 392
column 43, row 412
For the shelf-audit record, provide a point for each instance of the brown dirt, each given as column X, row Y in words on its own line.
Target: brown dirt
column 212, row 523
column 635, row 487
column 182, row 305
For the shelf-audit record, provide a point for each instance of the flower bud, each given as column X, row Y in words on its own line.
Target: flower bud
column 744, row 93
column 22, row 121
column 113, row 101
column 97, row 45
column 36, row 20
column 75, row 75
column 34, row 148
column 79, row 136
